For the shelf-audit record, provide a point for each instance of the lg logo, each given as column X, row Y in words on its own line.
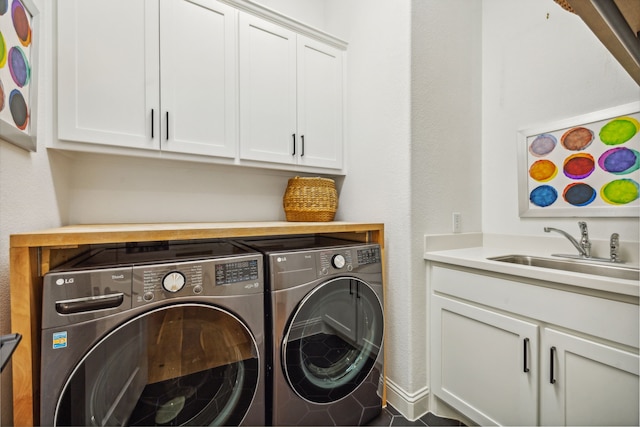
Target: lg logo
column 62, row 281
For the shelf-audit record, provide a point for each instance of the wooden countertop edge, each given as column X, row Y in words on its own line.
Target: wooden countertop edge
column 117, row 233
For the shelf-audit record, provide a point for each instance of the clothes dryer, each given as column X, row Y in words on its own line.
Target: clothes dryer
column 155, row 334
column 325, row 302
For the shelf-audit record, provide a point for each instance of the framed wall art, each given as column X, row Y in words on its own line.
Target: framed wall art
column 586, row 166
column 18, row 67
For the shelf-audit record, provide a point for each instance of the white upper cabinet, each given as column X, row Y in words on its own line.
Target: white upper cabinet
column 291, row 96
column 163, row 78
column 228, row 82
column 320, row 115
column 267, row 91
column 198, row 75
column 108, row 79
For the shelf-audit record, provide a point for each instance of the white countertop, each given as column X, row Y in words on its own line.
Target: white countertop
column 476, row 257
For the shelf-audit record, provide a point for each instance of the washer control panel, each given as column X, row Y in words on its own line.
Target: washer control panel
column 240, row 275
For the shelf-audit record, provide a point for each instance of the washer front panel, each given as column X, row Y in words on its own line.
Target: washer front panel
column 180, row 364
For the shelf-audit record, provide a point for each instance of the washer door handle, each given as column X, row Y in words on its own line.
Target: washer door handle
column 80, row 305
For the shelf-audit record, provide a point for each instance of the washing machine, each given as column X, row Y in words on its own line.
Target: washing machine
column 155, row 334
column 325, row 308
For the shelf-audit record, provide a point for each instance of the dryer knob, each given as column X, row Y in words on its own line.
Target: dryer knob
column 338, row 261
column 173, row 281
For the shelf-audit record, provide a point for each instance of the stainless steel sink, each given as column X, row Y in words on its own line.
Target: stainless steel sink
column 616, row 271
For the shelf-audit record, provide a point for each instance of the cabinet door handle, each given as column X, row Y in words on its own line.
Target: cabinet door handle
column 526, row 355
column 302, row 150
column 552, row 357
column 152, row 124
column 167, row 125
column 294, row 144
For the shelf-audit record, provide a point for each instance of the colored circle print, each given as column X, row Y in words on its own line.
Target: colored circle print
column 579, row 194
column 619, row 131
column 576, row 139
column 543, row 196
column 18, row 108
column 579, row 166
column 21, row 22
column 543, row 170
column 620, row 191
column 3, row 51
column 543, row 145
column 4, row 5
column 1, row 96
column 619, row 161
column 19, row 66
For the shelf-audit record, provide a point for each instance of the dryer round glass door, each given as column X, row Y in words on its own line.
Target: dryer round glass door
column 333, row 340
column 186, row 364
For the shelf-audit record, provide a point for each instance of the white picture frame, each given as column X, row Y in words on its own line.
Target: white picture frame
column 593, row 178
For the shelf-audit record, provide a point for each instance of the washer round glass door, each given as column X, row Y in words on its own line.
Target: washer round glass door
column 187, row 364
column 333, row 340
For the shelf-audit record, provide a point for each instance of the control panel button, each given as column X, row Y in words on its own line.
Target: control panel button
column 197, row 290
column 173, row 281
column 148, row 296
column 338, row 261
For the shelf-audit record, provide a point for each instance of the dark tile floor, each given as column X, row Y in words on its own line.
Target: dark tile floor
column 391, row 417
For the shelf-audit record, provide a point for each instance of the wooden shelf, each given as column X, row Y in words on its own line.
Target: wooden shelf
column 33, row 254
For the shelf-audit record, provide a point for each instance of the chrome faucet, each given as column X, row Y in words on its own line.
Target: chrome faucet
column 614, row 245
column 584, row 246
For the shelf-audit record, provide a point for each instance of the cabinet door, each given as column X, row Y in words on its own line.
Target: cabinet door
column 587, row 383
column 198, row 69
column 484, row 363
column 267, row 58
column 108, row 74
column 320, row 113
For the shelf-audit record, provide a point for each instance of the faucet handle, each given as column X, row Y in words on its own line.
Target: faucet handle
column 583, row 229
column 614, row 246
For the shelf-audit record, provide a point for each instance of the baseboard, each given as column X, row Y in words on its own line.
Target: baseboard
column 411, row 405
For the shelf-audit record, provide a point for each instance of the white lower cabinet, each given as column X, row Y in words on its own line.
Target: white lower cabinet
column 587, row 383
column 507, row 352
column 486, row 363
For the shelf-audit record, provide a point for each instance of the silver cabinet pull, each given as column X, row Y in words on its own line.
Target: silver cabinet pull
column 294, row 144
column 152, row 111
column 302, row 150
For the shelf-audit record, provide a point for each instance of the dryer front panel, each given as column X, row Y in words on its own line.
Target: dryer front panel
column 333, row 340
column 182, row 364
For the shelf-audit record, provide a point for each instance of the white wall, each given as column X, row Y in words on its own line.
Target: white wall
column 539, row 69
column 28, row 200
column 445, row 145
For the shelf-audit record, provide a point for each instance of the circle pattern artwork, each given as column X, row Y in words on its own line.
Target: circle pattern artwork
column 21, row 23
column 543, row 196
column 579, row 166
column 19, row 66
column 619, row 161
column 543, row 145
column 2, row 97
column 620, row 191
column 543, row 170
column 579, row 194
column 4, row 6
column 3, row 51
column 577, row 138
column 18, row 108
column 619, row 131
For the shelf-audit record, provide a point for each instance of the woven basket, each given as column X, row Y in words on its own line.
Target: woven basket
column 310, row 199
column 565, row 5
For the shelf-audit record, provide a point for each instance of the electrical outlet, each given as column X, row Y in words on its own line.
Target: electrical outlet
column 457, row 222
